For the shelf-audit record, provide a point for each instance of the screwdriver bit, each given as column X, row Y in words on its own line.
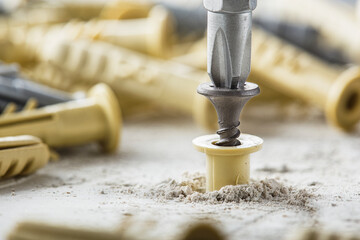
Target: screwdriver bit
column 228, row 63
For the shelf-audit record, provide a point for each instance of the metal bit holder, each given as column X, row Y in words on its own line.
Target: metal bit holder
column 96, row 118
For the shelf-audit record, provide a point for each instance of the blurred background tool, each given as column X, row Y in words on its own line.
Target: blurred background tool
column 22, row 155
column 228, row 61
column 303, row 36
column 128, row 231
column 130, row 73
column 18, row 91
column 336, row 21
column 96, row 118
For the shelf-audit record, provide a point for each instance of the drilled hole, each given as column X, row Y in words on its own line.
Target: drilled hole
column 352, row 101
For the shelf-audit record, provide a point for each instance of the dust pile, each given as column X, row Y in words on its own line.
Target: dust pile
column 192, row 189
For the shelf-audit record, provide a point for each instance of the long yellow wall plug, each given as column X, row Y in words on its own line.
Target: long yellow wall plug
column 127, row 72
column 126, row 9
column 152, row 35
column 22, row 155
column 96, row 118
column 137, row 231
column 293, row 72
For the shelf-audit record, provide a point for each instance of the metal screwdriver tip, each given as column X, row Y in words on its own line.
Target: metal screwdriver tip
column 229, row 57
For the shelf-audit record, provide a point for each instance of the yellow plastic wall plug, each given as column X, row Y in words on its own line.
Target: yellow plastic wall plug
column 227, row 165
column 22, row 155
column 126, row 9
column 293, row 72
column 152, row 35
column 130, row 73
column 35, row 231
column 96, row 118
column 53, row 76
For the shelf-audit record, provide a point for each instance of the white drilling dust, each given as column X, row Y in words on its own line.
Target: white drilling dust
column 191, row 189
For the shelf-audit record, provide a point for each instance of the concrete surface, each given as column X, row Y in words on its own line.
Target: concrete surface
column 80, row 189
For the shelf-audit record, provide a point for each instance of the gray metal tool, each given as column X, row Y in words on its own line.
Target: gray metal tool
column 14, row 89
column 229, row 57
column 303, row 36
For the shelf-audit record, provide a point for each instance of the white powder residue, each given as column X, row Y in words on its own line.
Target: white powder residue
column 191, row 189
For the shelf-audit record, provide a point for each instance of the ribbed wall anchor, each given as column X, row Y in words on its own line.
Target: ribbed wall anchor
column 93, row 119
column 22, row 155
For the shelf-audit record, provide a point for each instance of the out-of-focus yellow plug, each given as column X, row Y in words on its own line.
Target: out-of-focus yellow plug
column 22, row 155
column 96, row 118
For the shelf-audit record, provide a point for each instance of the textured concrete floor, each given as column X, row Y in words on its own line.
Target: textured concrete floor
column 78, row 190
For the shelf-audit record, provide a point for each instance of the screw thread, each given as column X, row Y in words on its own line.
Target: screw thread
column 229, row 136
